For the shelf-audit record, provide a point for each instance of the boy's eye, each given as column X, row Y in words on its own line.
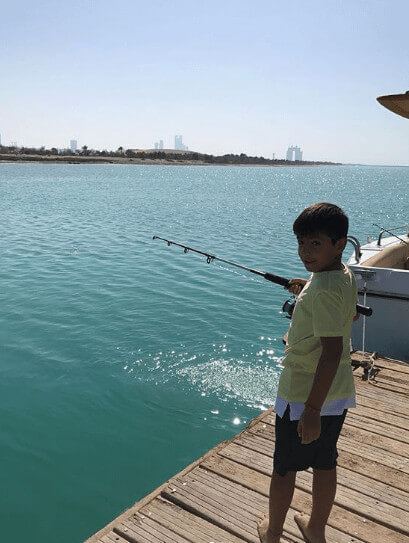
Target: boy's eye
column 316, row 243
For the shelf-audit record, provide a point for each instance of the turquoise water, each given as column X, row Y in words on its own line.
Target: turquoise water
column 122, row 359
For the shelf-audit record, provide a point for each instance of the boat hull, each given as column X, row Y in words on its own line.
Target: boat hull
column 386, row 331
column 387, row 293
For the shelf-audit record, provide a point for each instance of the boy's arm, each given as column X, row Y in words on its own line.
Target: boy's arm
column 326, row 370
column 309, row 425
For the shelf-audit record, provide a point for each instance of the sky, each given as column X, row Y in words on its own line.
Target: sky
column 230, row 76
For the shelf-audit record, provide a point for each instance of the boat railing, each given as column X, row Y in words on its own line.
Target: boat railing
column 357, row 247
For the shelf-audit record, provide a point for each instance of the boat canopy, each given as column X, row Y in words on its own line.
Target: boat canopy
column 398, row 103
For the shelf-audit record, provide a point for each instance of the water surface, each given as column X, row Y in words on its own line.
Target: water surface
column 122, row 359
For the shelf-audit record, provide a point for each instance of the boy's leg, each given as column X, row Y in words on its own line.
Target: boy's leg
column 324, row 483
column 324, row 487
column 281, row 494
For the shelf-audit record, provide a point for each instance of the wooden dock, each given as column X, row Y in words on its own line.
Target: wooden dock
column 220, row 497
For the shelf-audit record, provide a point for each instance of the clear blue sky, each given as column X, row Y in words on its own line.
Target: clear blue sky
column 230, row 76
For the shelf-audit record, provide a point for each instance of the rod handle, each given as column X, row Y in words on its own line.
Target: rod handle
column 277, row 279
column 364, row 310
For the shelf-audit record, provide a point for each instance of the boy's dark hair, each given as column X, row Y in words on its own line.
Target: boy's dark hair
column 322, row 217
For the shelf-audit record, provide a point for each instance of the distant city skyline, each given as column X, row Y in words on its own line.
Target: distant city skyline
column 245, row 81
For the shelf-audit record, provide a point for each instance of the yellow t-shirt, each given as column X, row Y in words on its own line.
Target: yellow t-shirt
column 325, row 308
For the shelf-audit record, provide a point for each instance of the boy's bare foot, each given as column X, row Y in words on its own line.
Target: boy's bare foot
column 264, row 533
column 309, row 536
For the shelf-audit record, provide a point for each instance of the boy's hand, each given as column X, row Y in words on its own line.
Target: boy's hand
column 309, row 426
column 296, row 285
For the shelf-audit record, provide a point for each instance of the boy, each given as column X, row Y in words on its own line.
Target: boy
column 316, row 386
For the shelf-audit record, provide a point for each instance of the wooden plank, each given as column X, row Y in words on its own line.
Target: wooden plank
column 210, row 505
column 249, row 505
column 386, row 380
column 381, row 383
column 400, row 369
column 112, row 537
column 386, row 396
column 134, row 534
column 380, row 490
column 377, row 427
column 365, row 505
column 195, row 528
column 364, row 436
column 370, row 395
column 379, row 406
column 376, row 471
column 394, row 376
column 341, row 519
column 158, row 532
column 371, row 413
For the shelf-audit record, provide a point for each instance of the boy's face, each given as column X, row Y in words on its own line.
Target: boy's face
column 318, row 253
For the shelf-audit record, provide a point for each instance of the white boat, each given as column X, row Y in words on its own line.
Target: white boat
column 381, row 269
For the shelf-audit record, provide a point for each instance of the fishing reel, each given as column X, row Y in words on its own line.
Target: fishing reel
column 288, row 307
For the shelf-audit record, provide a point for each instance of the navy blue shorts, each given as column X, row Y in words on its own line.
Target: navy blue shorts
column 290, row 455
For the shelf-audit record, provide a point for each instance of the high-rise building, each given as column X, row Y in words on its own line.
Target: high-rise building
column 297, row 153
column 160, row 144
column 73, row 145
column 294, row 153
column 156, row 145
column 179, row 146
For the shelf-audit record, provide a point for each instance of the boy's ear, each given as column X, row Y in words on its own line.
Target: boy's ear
column 340, row 244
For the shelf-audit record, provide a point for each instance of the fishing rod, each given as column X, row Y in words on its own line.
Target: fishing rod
column 364, row 310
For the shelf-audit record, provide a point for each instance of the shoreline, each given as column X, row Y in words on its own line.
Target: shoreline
column 51, row 159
